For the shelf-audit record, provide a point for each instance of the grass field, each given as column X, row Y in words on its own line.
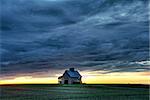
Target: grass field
column 74, row 92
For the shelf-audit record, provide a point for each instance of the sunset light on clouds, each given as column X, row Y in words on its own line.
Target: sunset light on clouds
column 89, row 78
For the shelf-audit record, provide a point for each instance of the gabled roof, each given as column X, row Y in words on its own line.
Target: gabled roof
column 73, row 74
column 60, row 77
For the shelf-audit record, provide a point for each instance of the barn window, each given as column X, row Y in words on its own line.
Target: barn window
column 66, row 82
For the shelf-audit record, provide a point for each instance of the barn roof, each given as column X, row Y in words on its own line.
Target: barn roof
column 73, row 73
column 60, row 77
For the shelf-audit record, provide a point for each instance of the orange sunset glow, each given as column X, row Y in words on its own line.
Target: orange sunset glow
column 88, row 77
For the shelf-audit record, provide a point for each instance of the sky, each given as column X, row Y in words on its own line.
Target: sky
column 40, row 39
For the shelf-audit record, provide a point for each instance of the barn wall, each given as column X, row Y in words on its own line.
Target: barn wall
column 65, row 77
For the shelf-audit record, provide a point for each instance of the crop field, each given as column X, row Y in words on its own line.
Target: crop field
column 74, row 92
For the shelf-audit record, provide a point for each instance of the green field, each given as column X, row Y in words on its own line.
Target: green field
column 74, row 92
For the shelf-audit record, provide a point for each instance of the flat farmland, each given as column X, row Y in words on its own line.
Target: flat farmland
column 74, row 92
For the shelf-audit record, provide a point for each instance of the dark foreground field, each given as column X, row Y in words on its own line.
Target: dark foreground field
column 74, row 92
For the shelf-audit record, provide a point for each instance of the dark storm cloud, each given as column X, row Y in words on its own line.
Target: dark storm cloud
column 41, row 15
column 96, row 35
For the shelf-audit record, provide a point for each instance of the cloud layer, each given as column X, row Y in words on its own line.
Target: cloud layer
column 90, row 35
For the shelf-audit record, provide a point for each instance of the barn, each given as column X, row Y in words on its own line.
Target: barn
column 70, row 76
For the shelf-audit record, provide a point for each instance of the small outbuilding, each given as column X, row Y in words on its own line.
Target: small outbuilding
column 70, row 76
